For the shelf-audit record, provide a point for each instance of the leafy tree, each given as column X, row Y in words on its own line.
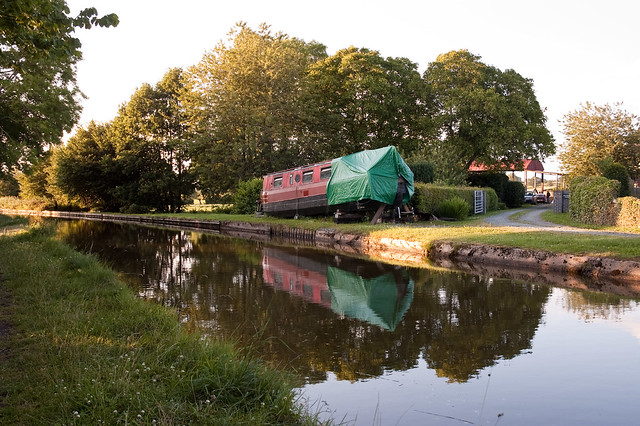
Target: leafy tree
column 422, row 171
column 483, row 114
column 596, row 132
column 9, row 186
column 364, row 101
column 85, row 169
column 245, row 107
column 246, row 196
column 33, row 181
column 615, row 171
column 151, row 146
column 39, row 97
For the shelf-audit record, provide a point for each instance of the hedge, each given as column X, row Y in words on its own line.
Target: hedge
column 513, row 194
column 629, row 215
column 428, row 197
column 593, row 200
column 422, row 171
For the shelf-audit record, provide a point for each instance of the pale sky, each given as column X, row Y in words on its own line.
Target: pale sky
column 574, row 50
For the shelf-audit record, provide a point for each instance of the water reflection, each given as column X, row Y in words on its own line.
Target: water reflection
column 378, row 341
column 379, row 295
column 317, row 312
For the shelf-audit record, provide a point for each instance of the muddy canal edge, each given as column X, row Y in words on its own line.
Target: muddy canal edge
column 478, row 258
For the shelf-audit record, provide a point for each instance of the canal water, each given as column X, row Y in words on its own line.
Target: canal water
column 389, row 345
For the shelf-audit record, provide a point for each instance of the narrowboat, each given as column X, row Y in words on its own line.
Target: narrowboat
column 370, row 180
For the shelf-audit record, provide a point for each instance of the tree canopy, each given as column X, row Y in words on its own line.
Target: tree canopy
column 363, row 101
column 483, row 114
column 136, row 162
column 39, row 97
column 597, row 132
column 245, row 106
column 258, row 102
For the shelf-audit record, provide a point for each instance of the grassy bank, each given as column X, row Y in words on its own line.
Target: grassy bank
column 77, row 347
column 6, row 221
column 471, row 230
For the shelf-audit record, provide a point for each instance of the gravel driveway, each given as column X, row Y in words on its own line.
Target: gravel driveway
column 533, row 219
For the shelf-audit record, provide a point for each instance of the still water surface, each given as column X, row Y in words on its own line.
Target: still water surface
column 382, row 344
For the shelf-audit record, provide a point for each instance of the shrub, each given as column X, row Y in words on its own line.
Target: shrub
column 428, row 197
column 454, row 208
column 246, row 196
column 497, row 181
column 9, row 186
column 36, row 203
column 422, row 171
column 629, row 216
column 513, row 194
column 592, row 200
column 135, row 209
column 616, row 171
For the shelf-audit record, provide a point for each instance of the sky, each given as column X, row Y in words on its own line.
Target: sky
column 575, row 51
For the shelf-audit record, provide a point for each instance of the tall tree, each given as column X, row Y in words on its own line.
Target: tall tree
column 39, row 97
column 594, row 133
column 245, row 105
column 85, row 171
column 138, row 161
column 365, row 101
column 150, row 135
column 484, row 114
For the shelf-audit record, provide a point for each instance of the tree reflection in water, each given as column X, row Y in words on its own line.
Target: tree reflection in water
column 317, row 312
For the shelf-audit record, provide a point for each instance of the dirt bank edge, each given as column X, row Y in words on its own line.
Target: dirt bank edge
column 592, row 267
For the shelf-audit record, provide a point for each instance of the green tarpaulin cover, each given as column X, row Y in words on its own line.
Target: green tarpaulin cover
column 371, row 174
column 377, row 301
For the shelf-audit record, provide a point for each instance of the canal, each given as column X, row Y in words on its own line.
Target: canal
column 381, row 344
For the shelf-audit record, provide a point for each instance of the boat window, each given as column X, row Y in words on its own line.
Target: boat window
column 298, row 178
column 277, row 182
column 307, row 176
column 325, row 173
column 291, row 179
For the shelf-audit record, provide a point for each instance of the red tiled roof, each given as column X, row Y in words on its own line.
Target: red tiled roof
column 529, row 165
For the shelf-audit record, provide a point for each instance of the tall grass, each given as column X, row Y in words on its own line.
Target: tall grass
column 82, row 349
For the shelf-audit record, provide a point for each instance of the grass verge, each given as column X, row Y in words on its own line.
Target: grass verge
column 470, row 230
column 6, row 221
column 77, row 347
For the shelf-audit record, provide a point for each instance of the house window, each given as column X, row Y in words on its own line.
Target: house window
column 277, row 182
column 325, row 173
column 307, row 176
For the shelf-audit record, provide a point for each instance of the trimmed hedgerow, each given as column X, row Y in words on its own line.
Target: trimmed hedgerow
column 497, row 181
column 629, row 216
column 428, row 197
column 593, row 200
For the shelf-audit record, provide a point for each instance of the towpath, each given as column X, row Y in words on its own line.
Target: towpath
column 533, row 219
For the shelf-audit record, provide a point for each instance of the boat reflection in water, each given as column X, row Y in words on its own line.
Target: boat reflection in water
column 380, row 296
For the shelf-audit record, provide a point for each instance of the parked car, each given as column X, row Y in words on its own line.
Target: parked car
column 541, row 198
column 529, row 197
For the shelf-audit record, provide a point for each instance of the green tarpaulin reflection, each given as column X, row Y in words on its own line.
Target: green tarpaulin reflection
column 381, row 301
